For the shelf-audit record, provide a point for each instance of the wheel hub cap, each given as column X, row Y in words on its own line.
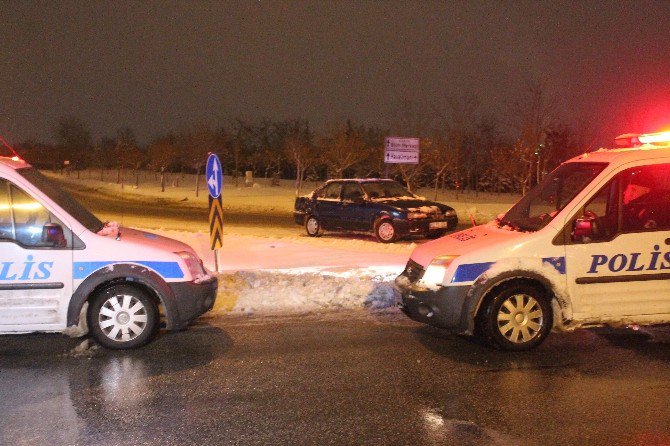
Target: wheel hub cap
column 386, row 231
column 122, row 317
column 520, row 318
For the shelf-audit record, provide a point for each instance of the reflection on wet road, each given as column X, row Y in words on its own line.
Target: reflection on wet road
column 344, row 380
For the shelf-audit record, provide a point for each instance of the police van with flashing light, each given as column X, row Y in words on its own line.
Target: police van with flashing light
column 588, row 246
column 60, row 266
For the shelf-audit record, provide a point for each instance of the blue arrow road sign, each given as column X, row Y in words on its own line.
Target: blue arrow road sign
column 214, row 175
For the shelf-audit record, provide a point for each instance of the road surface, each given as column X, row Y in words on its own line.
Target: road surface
column 344, row 378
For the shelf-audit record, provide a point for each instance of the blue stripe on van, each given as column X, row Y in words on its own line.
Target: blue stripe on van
column 469, row 272
column 169, row 270
column 556, row 262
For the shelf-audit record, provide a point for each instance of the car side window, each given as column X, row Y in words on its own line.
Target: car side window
column 645, row 198
column 331, row 191
column 6, row 227
column 604, row 207
column 636, row 200
column 351, row 192
column 25, row 221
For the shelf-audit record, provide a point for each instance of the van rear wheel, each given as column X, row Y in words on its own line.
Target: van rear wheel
column 122, row 317
column 518, row 317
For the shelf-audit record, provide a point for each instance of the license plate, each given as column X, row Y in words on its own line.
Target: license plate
column 438, row 225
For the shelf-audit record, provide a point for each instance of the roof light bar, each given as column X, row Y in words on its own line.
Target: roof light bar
column 654, row 138
column 627, row 140
column 636, row 140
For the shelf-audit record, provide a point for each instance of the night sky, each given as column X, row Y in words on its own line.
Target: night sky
column 158, row 66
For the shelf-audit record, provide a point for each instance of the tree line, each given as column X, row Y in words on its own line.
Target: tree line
column 461, row 147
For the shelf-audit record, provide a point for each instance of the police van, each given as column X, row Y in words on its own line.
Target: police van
column 60, row 266
column 588, row 246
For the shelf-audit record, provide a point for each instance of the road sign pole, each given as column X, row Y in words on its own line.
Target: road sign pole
column 214, row 175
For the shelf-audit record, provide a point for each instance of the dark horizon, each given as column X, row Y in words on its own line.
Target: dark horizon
column 159, row 66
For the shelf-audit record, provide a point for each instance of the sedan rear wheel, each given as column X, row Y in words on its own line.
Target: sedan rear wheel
column 313, row 226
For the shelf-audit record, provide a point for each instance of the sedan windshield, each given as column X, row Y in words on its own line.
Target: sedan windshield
column 386, row 189
column 539, row 206
column 62, row 199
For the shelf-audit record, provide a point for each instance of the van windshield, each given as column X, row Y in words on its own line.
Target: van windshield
column 541, row 204
column 62, row 199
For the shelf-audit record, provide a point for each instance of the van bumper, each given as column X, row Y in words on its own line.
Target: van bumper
column 445, row 307
column 192, row 300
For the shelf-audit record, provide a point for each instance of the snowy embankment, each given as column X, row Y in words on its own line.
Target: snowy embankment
column 296, row 274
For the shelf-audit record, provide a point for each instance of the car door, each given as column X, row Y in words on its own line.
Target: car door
column 329, row 205
column 35, row 263
column 624, row 270
column 354, row 215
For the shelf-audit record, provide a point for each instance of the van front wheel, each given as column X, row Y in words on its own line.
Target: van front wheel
column 122, row 317
column 518, row 317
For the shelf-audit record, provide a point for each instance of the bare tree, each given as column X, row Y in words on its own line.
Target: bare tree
column 74, row 137
column 343, row 148
column 298, row 148
column 536, row 115
column 163, row 155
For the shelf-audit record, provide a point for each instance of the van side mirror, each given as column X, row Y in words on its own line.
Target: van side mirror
column 52, row 235
column 585, row 228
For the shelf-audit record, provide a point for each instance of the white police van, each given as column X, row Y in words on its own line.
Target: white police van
column 588, row 246
column 59, row 263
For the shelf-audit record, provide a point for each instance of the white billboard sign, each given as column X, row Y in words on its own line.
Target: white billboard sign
column 401, row 150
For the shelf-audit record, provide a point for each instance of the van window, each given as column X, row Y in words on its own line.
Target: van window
column 24, row 220
column 62, row 199
column 645, row 197
column 605, row 206
column 539, row 206
column 636, row 200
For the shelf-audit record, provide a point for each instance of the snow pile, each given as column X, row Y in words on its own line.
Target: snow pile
column 305, row 291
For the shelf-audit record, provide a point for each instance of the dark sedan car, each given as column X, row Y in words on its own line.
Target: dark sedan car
column 382, row 207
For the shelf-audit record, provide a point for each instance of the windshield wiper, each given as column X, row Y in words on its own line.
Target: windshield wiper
column 509, row 223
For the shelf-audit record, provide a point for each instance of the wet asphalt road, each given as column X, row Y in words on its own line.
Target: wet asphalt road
column 349, row 379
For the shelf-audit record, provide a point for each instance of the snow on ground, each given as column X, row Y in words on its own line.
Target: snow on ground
column 298, row 274
column 275, row 269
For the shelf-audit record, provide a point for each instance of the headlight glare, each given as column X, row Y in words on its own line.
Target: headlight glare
column 435, row 272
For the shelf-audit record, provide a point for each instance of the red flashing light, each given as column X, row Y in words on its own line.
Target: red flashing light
column 627, row 140
column 655, row 138
column 636, row 140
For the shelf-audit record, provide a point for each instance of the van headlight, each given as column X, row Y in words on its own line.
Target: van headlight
column 435, row 272
column 193, row 263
